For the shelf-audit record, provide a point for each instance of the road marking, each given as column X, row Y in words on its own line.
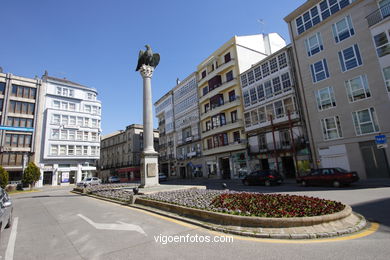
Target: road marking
column 120, row 226
column 9, row 252
column 370, row 230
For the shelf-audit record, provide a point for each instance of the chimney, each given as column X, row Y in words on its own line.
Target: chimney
column 177, row 81
column 1, row 69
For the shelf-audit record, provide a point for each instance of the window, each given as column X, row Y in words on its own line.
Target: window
column 229, row 76
column 314, row 44
column 247, row 100
column 331, row 128
column 244, row 80
column 282, row 59
column 64, row 134
column 286, row 82
column 260, row 92
column 357, row 88
column 265, row 69
column 251, row 77
column 274, row 65
column 79, row 150
column 382, row 44
column 2, row 88
column 325, row 98
column 386, row 75
column 64, row 105
column 87, row 108
column 254, row 117
column 65, row 120
column 56, row 104
column 86, row 121
column 236, row 137
column 350, row 58
column 72, row 134
column 262, row 116
column 203, row 74
column 279, row 111
column 94, row 110
column 205, row 90
column 253, row 95
column 80, row 121
column 86, row 136
column 268, row 89
column 85, row 150
column 94, row 123
column 59, row 91
column 72, row 106
column 55, row 119
column 365, row 121
column 343, row 29
column 79, row 135
column 94, row 137
column 319, row 70
column 71, row 93
column 258, row 75
column 55, row 134
column 54, row 149
column 276, row 85
column 62, row 149
column 70, row 149
column 72, row 120
column 232, row 95
column 233, row 116
column 247, row 118
column 227, row 57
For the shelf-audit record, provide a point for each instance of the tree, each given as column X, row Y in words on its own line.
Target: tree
column 3, row 177
column 31, row 175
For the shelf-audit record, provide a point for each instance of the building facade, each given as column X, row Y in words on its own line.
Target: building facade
column 342, row 70
column 276, row 137
column 20, row 123
column 70, row 133
column 187, row 136
column 220, row 101
column 120, row 153
column 164, row 108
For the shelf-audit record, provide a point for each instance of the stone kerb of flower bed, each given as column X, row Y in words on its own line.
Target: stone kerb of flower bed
column 111, row 191
column 248, row 209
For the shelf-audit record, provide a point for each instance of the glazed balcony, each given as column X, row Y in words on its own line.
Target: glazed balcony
column 378, row 15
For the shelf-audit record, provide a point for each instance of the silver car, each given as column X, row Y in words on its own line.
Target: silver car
column 6, row 209
column 89, row 182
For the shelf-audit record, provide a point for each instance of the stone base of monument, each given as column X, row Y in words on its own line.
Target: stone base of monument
column 149, row 169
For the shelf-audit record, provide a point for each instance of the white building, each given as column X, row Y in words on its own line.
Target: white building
column 187, row 134
column 70, row 132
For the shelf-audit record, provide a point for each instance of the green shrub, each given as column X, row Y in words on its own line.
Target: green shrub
column 31, row 175
column 3, row 177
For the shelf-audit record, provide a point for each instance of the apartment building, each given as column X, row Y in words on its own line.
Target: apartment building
column 276, row 137
column 341, row 54
column 20, row 123
column 120, row 153
column 70, row 132
column 187, row 135
column 220, row 101
column 164, row 108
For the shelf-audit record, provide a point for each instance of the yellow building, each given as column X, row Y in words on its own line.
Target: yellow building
column 223, row 138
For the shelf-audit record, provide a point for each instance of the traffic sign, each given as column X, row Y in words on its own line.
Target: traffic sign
column 380, row 139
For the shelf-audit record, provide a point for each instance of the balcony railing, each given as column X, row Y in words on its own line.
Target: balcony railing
column 220, row 67
column 227, row 103
column 378, row 15
column 237, row 142
column 217, row 89
column 299, row 143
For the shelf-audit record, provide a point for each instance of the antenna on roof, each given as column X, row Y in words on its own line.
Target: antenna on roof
column 262, row 25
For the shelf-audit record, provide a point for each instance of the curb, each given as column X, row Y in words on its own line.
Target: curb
column 360, row 225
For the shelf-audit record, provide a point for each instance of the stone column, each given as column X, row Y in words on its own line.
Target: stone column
column 149, row 157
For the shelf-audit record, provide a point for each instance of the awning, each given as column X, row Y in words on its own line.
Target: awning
column 130, row 169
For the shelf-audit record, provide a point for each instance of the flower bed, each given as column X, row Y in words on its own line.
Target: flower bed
column 250, row 204
column 111, row 191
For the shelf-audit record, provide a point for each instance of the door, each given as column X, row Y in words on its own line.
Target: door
column 47, row 178
column 375, row 160
column 225, row 167
column 288, row 167
column 264, row 164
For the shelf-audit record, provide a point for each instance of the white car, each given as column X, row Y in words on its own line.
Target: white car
column 6, row 209
column 89, row 182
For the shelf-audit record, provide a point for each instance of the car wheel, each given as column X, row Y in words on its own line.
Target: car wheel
column 267, row 183
column 9, row 224
column 303, row 184
column 336, row 184
column 246, row 183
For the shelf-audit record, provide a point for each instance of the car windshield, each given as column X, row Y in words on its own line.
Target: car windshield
column 88, row 179
column 341, row 170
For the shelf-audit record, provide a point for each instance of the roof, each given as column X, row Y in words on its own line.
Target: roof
column 67, row 82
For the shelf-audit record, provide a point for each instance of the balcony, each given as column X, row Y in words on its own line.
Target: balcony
column 223, row 128
column 216, row 90
column 220, row 68
column 281, row 119
column 378, row 15
column 286, row 145
column 218, row 109
column 233, row 146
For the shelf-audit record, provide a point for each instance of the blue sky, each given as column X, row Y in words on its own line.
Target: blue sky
column 96, row 42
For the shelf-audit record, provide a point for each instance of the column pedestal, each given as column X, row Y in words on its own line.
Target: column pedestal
column 149, row 169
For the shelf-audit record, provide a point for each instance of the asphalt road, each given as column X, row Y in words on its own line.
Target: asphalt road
column 56, row 224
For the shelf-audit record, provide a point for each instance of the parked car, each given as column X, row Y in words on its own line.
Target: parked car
column 328, row 176
column 266, row 177
column 242, row 173
column 89, row 181
column 114, row 179
column 6, row 210
column 162, row 177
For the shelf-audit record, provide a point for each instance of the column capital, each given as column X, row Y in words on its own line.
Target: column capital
column 146, row 71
